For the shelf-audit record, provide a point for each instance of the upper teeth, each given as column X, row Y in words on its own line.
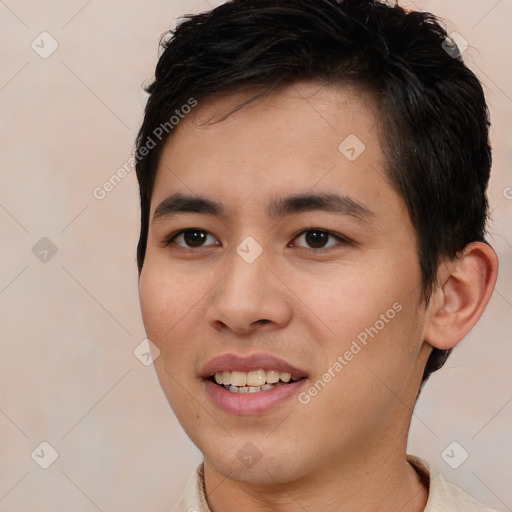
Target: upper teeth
column 254, row 378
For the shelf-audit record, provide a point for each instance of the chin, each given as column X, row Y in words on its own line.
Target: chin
column 256, row 462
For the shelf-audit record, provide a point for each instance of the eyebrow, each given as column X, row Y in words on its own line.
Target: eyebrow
column 329, row 202
column 277, row 208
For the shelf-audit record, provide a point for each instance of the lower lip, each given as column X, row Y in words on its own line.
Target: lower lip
column 251, row 403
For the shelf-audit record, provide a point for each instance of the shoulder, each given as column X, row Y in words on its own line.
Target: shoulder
column 444, row 496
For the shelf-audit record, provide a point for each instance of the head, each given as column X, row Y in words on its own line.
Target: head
column 260, row 99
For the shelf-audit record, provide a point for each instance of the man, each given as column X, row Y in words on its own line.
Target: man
column 313, row 202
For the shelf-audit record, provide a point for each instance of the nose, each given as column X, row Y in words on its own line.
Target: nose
column 249, row 298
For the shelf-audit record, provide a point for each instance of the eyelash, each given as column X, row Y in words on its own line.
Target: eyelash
column 342, row 239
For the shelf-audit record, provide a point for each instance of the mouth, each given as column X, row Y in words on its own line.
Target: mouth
column 252, row 382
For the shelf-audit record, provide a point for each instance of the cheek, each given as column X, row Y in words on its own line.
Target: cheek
column 167, row 300
column 167, row 297
column 344, row 300
column 152, row 296
column 371, row 316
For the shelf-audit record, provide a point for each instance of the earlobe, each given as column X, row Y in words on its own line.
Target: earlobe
column 465, row 286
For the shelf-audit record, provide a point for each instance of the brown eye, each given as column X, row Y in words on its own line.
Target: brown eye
column 318, row 238
column 194, row 238
column 191, row 238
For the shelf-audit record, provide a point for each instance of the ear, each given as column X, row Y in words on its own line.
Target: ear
column 464, row 288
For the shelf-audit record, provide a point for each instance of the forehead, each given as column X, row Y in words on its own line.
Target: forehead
column 253, row 99
column 300, row 137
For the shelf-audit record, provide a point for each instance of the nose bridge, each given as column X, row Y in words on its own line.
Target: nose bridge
column 249, row 291
column 247, row 278
column 248, row 260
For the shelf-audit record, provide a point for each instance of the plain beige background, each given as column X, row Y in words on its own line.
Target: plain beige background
column 70, row 321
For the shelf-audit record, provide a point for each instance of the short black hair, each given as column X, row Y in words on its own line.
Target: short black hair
column 432, row 114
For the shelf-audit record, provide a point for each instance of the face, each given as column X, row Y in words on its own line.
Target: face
column 284, row 267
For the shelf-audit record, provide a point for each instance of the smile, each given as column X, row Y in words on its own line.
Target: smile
column 251, row 382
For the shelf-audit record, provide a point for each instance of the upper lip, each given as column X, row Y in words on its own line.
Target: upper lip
column 247, row 363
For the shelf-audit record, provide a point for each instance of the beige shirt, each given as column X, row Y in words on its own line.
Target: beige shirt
column 442, row 495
